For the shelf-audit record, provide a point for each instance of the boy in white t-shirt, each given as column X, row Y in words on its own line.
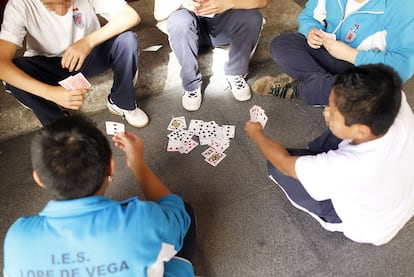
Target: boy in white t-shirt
column 64, row 37
column 363, row 185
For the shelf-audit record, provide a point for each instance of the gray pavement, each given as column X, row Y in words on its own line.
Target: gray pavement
column 245, row 225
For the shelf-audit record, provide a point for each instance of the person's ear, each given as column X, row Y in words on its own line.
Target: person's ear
column 37, row 179
column 363, row 132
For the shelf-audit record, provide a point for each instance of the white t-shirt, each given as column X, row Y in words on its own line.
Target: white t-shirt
column 371, row 185
column 49, row 34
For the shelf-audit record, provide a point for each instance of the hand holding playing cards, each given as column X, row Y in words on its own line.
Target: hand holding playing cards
column 70, row 99
column 252, row 129
column 315, row 38
column 132, row 146
column 75, row 54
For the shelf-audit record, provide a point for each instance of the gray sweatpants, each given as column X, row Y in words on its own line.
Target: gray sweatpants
column 240, row 29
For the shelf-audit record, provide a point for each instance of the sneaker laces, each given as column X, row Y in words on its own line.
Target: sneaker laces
column 191, row 94
column 238, row 82
column 285, row 91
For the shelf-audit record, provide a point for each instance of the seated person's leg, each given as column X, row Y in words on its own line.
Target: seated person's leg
column 187, row 251
column 241, row 30
column 47, row 70
column 315, row 69
column 121, row 54
column 182, row 27
column 298, row 195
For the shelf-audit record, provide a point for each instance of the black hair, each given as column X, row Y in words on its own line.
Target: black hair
column 71, row 157
column 369, row 95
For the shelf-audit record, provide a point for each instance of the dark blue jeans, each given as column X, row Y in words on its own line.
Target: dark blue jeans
column 120, row 53
column 316, row 69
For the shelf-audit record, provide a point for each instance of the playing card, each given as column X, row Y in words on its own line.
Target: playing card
column 188, row 147
column 64, row 83
column 177, row 123
column 114, row 127
column 173, row 145
column 215, row 158
column 257, row 114
column 194, row 126
column 153, row 48
column 180, row 135
column 329, row 35
column 77, row 81
column 220, row 145
column 228, row 131
column 206, row 153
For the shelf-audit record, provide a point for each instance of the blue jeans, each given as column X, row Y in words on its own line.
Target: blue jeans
column 120, row 53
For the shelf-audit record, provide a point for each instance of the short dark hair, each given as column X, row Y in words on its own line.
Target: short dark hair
column 71, row 157
column 370, row 95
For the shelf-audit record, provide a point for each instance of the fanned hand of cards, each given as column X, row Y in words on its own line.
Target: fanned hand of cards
column 77, row 81
column 257, row 114
column 209, row 133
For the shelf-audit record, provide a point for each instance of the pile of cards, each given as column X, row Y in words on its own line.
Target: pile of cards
column 77, row 81
column 257, row 114
column 208, row 132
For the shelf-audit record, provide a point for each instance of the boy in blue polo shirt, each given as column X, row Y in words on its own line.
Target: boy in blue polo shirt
column 83, row 232
column 363, row 186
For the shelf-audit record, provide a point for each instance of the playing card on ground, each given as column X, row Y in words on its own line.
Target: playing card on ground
column 177, row 123
column 188, row 147
column 114, row 127
column 173, row 145
column 215, row 158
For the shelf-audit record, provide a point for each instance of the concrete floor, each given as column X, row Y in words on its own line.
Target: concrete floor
column 245, row 225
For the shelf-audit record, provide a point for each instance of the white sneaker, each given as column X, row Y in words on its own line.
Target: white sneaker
column 191, row 100
column 239, row 88
column 136, row 117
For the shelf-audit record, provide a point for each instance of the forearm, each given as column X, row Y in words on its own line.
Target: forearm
column 124, row 21
column 276, row 154
column 249, row 4
column 14, row 76
column 151, row 186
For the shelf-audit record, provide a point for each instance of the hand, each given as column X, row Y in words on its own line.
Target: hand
column 70, row 99
column 132, row 146
column 209, row 7
column 315, row 38
column 191, row 5
column 253, row 128
column 340, row 50
column 75, row 55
